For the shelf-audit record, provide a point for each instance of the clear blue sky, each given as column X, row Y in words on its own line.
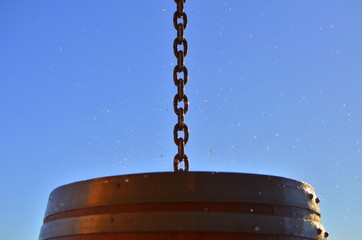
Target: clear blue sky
column 86, row 91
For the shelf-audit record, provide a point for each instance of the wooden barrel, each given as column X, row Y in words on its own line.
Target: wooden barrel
column 180, row 206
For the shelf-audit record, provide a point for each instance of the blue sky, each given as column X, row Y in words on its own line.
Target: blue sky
column 86, row 91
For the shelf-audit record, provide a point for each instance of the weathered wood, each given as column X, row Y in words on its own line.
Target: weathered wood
column 193, row 205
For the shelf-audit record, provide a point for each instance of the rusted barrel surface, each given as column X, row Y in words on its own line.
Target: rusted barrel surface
column 178, row 206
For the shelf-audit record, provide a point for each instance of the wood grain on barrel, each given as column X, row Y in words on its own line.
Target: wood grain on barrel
column 179, row 236
column 194, row 205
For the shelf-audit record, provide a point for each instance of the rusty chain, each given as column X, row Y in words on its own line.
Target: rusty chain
column 180, row 82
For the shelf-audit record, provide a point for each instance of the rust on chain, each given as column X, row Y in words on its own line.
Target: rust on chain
column 180, row 23
column 176, row 51
column 176, row 72
column 177, row 109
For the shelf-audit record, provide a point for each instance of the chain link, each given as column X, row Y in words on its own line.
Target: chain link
column 180, row 80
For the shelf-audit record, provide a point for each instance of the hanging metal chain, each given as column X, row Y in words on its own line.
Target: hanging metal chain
column 180, row 82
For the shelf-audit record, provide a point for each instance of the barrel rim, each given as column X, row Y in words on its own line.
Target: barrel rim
column 99, row 179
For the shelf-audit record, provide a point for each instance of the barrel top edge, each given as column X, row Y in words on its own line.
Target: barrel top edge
column 146, row 174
